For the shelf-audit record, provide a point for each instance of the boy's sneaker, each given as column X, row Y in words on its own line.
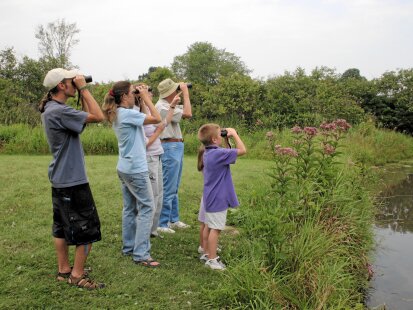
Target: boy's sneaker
column 201, row 250
column 203, row 258
column 179, row 224
column 215, row 264
column 165, row 230
column 222, row 264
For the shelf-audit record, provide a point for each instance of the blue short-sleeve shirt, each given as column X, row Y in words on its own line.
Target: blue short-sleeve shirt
column 128, row 128
column 63, row 125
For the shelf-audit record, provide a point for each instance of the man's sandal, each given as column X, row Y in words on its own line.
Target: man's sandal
column 85, row 282
column 150, row 263
column 64, row 276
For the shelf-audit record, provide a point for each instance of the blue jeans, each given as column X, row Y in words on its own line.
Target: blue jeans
column 137, row 214
column 172, row 161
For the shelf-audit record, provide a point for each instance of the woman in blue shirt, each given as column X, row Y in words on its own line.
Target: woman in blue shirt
column 132, row 167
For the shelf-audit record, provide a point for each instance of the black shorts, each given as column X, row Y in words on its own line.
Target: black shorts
column 75, row 217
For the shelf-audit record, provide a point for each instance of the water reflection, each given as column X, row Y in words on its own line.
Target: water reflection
column 396, row 210
column 392, row 284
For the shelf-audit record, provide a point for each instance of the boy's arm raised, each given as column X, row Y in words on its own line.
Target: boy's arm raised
column 241, row 149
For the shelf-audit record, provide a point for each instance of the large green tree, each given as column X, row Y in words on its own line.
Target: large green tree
column 21, row 87
column 298, row 98
column 8, row 63
column 204, row 64
column 56, row 41
column 236, row 97
column 393, row 105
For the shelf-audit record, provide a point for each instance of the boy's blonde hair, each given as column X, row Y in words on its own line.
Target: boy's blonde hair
column 207, row 132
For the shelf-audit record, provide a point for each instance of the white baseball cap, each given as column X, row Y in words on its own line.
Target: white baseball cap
column 55, row 76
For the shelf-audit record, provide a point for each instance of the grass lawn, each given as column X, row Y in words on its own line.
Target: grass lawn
column 27, row 256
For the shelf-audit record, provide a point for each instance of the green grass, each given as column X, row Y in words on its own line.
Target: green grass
column 27, row 256
column 364, row 144
column 330, row 275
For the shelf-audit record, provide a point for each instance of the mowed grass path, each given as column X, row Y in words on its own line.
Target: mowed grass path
column 27, row 257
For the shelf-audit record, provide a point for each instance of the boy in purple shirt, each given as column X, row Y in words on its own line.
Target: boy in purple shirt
column 219, row 193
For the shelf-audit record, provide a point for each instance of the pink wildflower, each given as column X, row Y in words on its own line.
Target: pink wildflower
column 328, row 126
column 329, row 149
column 269, row 135
column 287, row 151
column 296, row 129
column 310, row 131
column 342, row 124
column 259, row 122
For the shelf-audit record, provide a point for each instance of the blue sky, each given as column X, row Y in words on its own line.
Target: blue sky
column 122, row 39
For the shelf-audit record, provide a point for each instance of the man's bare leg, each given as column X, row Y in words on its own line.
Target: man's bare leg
column 62, row 252
column 81, row 254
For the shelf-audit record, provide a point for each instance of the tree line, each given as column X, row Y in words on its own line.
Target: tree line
column 222, row 87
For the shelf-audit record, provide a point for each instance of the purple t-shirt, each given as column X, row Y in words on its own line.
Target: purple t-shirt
column 219, row 192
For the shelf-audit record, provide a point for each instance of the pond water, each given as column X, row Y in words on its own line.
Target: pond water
column 392, row 283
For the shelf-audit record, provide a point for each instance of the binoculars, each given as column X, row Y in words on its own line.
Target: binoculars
column 88, row 79
column 136, row 91
column 189, row 85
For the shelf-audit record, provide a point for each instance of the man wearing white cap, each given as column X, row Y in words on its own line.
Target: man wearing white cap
column 75, row 218
column 173, row 146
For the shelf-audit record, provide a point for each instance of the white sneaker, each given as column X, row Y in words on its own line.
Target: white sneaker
column 201, row 250
column 179, row 224
column 203, row 258
column 215, row 264
column 222, row 264
column 165, row 230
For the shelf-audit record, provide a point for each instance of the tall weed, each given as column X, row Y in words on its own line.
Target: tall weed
column 307, row 239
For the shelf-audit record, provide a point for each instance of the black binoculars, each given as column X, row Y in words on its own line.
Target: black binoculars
column 189, row 85
column 88, row 79
column 136, row 91
column 224, row 132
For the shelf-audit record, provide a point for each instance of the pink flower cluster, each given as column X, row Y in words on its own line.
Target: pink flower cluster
column 329, row 149
column 296, row 129
column 328, row 126
column 342, row 124
column 310, row 131
column 339, row 123
column 287, row 151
